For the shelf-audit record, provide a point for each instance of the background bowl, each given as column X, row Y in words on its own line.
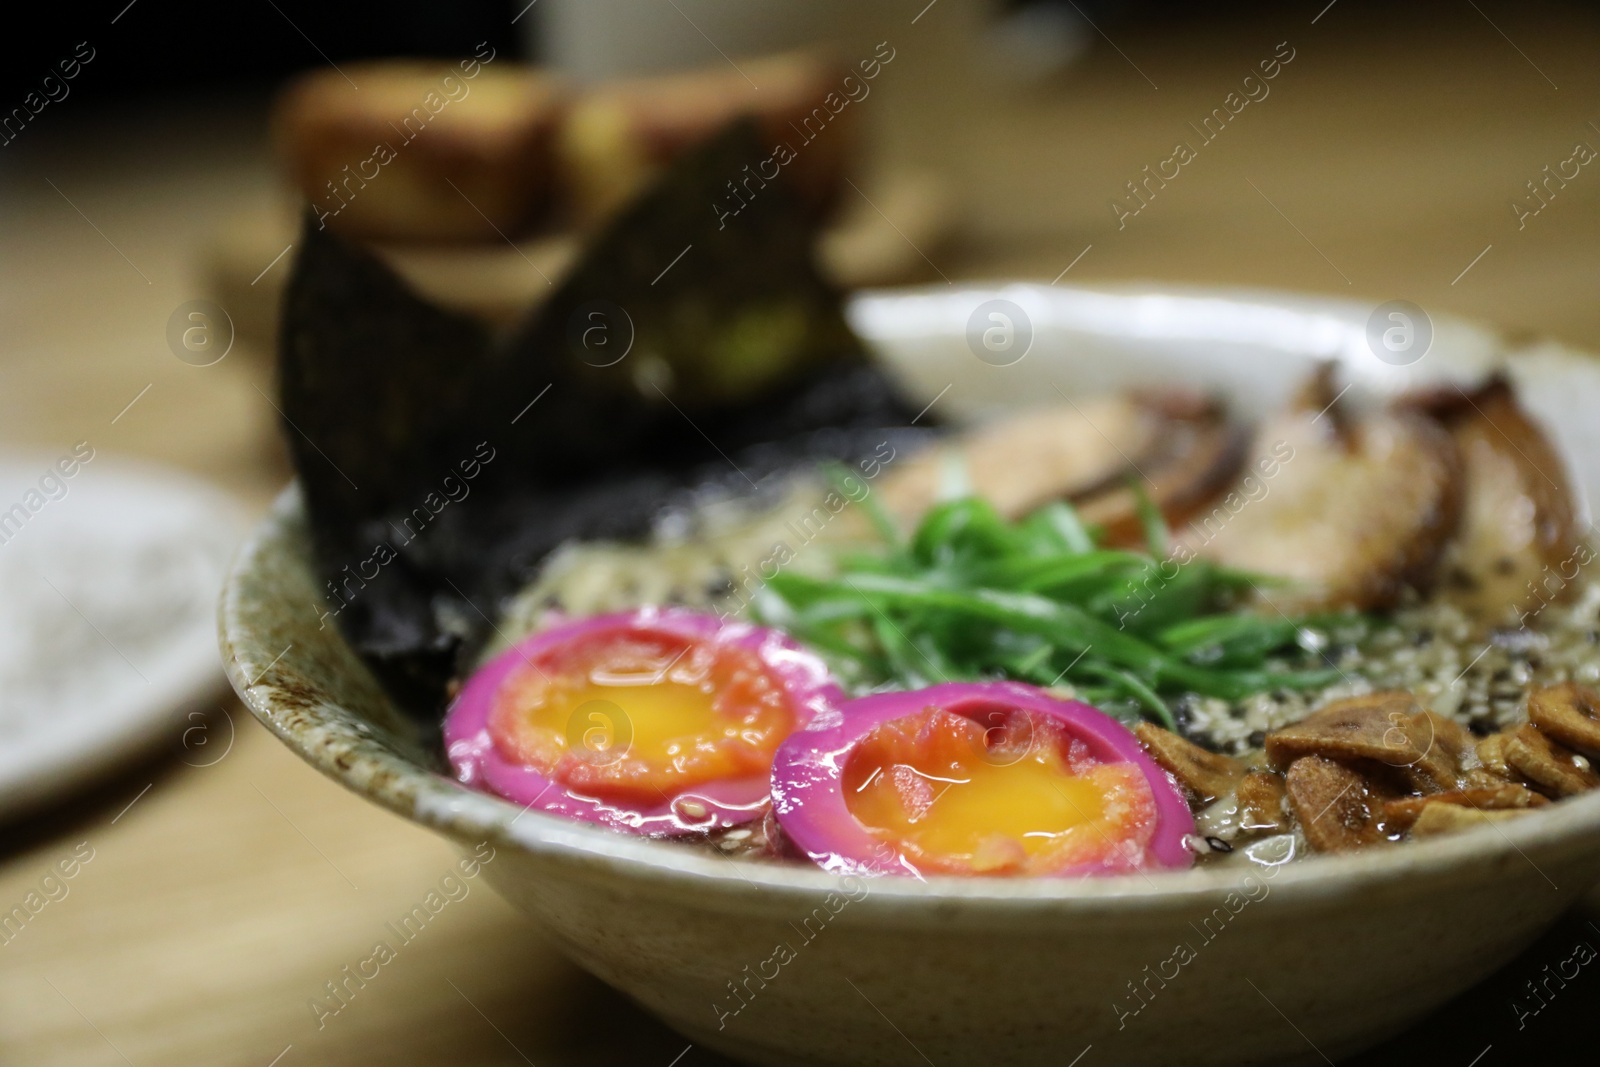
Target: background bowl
column 788, row 965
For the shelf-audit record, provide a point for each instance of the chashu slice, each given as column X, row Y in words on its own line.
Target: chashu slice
column 1349, row 510
column 1519, row 546
column 1022, row 461
column 1193, row 462
column 1085, row 451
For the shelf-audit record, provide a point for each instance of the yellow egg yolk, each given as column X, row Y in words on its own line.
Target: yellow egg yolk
column 642, row 715
column 938, row 790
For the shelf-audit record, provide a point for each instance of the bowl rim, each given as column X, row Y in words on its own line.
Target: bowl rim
column 351, row 756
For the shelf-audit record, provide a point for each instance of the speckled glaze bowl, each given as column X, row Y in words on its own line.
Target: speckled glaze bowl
column 788, row 965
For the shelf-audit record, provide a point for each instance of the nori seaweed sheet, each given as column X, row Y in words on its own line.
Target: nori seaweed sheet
column 440, row 463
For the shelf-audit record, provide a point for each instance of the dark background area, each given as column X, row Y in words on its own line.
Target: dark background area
column 157, row 47
column 163, row 46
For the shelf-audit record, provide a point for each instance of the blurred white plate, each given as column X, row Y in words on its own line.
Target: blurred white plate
column 108, row 586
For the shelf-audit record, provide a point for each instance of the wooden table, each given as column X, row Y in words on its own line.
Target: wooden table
column 221, row 897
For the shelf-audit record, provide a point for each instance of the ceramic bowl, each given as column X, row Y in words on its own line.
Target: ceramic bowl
column 789, row 965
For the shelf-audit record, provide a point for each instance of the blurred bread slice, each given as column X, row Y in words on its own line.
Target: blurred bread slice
column 619, row 135
column 421, row 150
